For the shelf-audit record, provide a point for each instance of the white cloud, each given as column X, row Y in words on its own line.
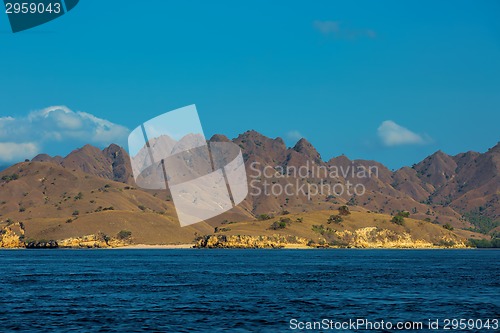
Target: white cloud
column 393, row 134
column 338, row 30
column 294, row 135
column 51, row 126
column 14, row 152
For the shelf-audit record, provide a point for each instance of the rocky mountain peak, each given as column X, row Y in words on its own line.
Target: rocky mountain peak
column 219, row 138
column 305, row 147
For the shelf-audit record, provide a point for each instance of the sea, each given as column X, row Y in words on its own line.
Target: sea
column 223, row 290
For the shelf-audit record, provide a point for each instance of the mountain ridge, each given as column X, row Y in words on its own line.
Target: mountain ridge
column 438, row 179
column 457, row 191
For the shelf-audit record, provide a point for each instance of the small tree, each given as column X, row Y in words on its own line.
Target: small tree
column 344, row 211
column 399, row 220
column 277, row 225
column 448, row 227
column 263, row 217
column 124, row 234
column 335, row 219
column 8, row 178
column 404, row 214
column 281, row 224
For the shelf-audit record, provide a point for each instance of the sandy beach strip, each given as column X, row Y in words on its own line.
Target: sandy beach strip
column 152, row 247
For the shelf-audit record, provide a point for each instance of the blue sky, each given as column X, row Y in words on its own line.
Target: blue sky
column 392, row 81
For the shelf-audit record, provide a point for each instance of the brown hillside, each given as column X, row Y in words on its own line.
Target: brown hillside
column 441, row 188
column 54, row 202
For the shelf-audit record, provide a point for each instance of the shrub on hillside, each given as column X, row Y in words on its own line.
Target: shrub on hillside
column 318, row 228
column 399, row 220
column 282, row 223
column 335, row 219
column 221, row 229
column 481, row 223
column 484, row 243
column 344, row 211
column 124, row 234
column 8, row 178
column 448, row 226
column 278, row 225
column 403, row 214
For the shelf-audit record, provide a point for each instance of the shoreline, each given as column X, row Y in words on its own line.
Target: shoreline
column 289, row 247
column 151, row 247
column 192, row 246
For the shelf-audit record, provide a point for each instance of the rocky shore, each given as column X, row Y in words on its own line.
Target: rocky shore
column 248, row 242
column 13, row 237
column 363, row 238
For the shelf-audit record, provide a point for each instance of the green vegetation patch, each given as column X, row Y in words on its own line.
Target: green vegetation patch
column 482, row 224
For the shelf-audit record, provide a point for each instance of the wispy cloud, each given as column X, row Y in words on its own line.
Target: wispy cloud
column 393, row 134
column 24, row 137
column 338, row 30
column 294, row 135
column 13, row 152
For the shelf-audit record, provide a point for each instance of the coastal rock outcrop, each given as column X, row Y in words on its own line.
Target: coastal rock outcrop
column 373, row 237
column 51, row 244
column 253, row 242
column 92, row 241
column 368, row 237
column 12, row 236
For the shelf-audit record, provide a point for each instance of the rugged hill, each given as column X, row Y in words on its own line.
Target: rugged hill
column 111, row 163
column 72, row 196
column 468, row 182
column 53, row 202
column 358, row 230
column 441, row 187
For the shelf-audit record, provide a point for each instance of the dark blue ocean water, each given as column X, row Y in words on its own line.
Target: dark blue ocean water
column 240, row 290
